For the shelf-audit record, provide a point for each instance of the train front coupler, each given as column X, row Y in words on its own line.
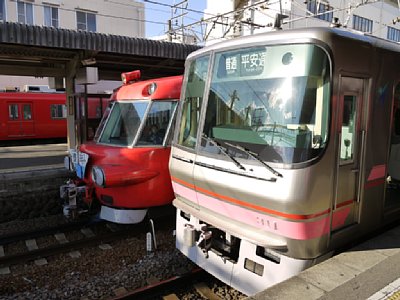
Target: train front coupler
column 204, row 241
column 72, row 197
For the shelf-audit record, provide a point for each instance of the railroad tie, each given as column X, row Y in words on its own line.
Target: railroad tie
column 87, row 232
column 4, row 270
column 105, row 247
column 205, row 291
column 74, row 254
column 61, row 238
column 40, row 262
column 32, row 245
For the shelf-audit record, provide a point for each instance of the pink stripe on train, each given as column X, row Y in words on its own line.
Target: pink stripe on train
column 291, row 229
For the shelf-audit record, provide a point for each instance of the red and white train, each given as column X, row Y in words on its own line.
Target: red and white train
column 125, row 167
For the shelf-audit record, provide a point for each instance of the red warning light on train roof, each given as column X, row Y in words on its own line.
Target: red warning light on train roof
column 130, row 76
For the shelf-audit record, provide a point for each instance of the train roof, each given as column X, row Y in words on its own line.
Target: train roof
column 301, row 35
column 31, row 96
column 166, row 88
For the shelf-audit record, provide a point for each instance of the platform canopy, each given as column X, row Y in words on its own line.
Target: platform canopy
column 28, row 50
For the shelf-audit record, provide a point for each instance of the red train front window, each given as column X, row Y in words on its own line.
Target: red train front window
column 146, row 122
column 157, row 123
column 123, row 123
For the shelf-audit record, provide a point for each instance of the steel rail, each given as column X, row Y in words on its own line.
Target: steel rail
column 12, row 238
column 174, row 283
column 52, row 250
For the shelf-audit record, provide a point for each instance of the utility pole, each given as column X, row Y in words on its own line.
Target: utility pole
column 176, row 28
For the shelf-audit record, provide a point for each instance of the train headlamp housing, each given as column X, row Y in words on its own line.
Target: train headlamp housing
column 151, row 88
column 98, row 176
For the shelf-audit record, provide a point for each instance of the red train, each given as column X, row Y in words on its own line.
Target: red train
column 125, row 167
column 25, row 115
column 41, row 115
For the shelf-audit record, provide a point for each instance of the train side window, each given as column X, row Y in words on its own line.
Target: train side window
column 193, row 98
column 58, row 111
column 13, row 111
column 348, row 128
column 27, row 111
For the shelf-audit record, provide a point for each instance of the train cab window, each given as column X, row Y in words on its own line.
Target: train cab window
column 271, row 100
column 27, row 112
column 191, row 104
column 157, row 123
column 13, row 111
column 123, row 123
column 348, row 128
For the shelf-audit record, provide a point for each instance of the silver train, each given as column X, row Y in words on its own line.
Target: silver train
column 286, row 147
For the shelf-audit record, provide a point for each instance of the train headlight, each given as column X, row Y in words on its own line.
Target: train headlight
column 151, row 88
column 98, row 176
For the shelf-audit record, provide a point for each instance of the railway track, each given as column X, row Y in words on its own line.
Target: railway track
column 15, row 237
column 192, row 285
column 93, row 233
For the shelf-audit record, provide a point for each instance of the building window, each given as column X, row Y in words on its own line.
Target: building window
column 362, row 24
column 25, row 12
column 86, row 21
column 320, row 10
column 58, row 111
column 2, row 10
column 393, row 34
column 51, row 16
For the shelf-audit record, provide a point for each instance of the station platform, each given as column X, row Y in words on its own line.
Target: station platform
column 370, row 270
column 20, row 159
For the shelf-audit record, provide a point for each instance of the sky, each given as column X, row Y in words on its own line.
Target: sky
column 158, row 12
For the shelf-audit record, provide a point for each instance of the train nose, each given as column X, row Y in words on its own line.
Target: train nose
column 120, row 175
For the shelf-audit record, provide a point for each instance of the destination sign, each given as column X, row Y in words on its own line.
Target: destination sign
column 244, row 63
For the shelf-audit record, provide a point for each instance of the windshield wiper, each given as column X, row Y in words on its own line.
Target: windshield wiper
column 256, row 157
column 223, row 150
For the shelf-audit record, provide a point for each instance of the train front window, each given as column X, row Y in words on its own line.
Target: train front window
column 157, row 123
column 272, row 100
column 123, row 123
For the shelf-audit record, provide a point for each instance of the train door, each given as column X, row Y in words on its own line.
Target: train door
column 20, row 120
column 28, row 127
column 392, row 194
column 351, row 140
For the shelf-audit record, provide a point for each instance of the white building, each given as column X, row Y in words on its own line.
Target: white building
column 244, row 17
column 117, row 17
